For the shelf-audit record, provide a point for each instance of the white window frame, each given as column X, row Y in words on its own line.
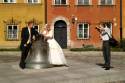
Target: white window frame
column 88, row 33
column 67, row 3
column 90, row 3
column 113, row 2
column 7, row 35
column 39, row 1
column 14, row 1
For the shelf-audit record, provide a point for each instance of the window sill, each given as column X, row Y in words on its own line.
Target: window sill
column 84, row 5
column 12, row 39
column 106, row 5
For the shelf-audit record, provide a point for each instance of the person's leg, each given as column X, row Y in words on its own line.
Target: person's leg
column 24, row 56
column 22, row 61
column 27, row 51
column 107, row 56
column 104, row 52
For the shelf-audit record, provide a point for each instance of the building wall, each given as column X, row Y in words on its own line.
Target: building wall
column 22, row 12
column 93, row 14
column 123, row 17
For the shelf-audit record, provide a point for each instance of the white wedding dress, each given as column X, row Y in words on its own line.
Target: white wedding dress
column 56, row 55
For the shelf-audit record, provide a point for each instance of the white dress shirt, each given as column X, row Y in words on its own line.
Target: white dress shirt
column 106, row 34
column 29, row 40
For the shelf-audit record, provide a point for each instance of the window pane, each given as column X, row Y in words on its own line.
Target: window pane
column 86, row 31
column 15, row 30
column 36, row 1
column 9, row 34
column 80, row 35
column 63, row 1
column 85, row 35
column 86, row 2
column 80, row 2
column 57, row 1
column 103, row 2
column 12, row 32
column 11, row 0
column 9, row 28
column 80, row 31
column 83, row 2
column 6, row 1
column 29, row 1
column 85, row 26
column 109, row 2
column 80, row 26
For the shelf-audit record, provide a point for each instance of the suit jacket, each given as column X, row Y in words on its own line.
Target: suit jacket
column 25, row 36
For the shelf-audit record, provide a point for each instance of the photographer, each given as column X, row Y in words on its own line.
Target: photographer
column 105, row 33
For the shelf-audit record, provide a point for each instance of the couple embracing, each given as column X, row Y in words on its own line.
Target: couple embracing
column 29, row 34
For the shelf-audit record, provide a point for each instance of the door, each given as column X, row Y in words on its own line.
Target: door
column 60, row 33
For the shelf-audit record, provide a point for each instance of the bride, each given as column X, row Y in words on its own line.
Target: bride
column 56, row 55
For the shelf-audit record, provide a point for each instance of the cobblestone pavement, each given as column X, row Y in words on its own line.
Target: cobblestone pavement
column 83, row 68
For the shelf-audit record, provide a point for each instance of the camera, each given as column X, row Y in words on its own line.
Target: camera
column 97, row 29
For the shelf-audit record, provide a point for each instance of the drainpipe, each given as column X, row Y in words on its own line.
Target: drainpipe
column 45, row 11
column 121, row 43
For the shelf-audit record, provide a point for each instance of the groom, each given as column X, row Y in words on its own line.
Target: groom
column 28, row 34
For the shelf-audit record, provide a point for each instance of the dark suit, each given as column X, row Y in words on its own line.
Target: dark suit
column 24, row 46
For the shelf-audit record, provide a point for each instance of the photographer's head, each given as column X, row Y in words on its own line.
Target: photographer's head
column 102, row 25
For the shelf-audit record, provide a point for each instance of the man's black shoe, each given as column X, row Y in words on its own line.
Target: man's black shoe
column 107, row 68
column 103, row 66
column 22, row 66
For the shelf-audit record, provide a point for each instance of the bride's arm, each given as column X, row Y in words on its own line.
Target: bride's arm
column 49, row 35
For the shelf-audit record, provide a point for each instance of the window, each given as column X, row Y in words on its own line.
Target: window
column 83, row 2
column 60, row 2
column 12, row 32
column 33, row 1
column 106, row 2
column 37, row 28
column 9, row 1
column 83, row 31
